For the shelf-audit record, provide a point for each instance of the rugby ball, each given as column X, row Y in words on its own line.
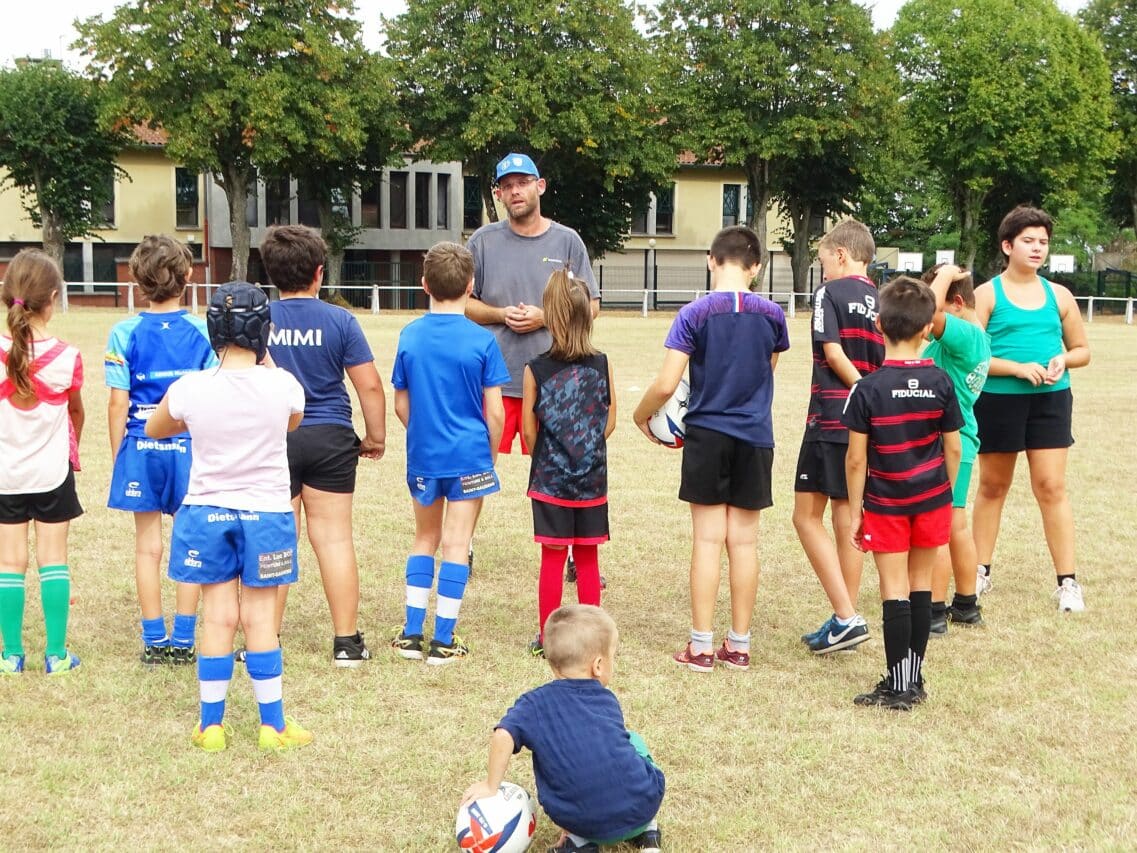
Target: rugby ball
column 667, row 423
column 503, row 823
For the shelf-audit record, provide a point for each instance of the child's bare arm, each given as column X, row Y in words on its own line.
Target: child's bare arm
column 373, row 403
column 660, row 390
column 611, row 425
column 161, row 424
column 953, row 453
column 501, row 749
column 528, row 401
column 117, row 407
column 495, row 418
column 856, row 466
column 940, row 285
column 77, row 412
column 402, row 405
column 1074, row 338
column 836, row 359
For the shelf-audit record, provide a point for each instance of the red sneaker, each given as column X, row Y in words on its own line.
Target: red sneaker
column 696, row 663
column 735, row 660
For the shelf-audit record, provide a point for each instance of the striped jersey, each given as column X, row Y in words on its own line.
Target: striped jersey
column 844, row 312
column 904, row 408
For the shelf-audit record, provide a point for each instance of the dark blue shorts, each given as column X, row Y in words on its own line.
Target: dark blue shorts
column 150, row 475
column 212, row 544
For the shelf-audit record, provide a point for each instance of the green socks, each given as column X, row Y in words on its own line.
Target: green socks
column 55, row 593
column 12, row 613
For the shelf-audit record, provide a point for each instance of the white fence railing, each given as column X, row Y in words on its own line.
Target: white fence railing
column 645, row 299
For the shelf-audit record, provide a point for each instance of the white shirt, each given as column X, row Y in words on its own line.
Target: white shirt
column 238, row 420
column 34, row 445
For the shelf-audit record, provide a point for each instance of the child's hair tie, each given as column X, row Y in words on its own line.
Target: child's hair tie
column 19, row 302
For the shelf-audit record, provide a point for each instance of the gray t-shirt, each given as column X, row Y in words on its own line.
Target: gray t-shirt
column 510, row 269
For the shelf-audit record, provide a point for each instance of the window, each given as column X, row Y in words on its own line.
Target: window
column 471, row 203
column 103, row 262
column 73, row 262
column 371, row 202
column 278, row 201
column 665, row 210
column 731, row 204
column 639, row 217
column 442, row 202
column 398, row 199
column 307, row 208
column 186, row 213
column 422, row 199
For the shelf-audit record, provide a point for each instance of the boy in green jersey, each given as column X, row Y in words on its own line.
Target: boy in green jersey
column 962, row 349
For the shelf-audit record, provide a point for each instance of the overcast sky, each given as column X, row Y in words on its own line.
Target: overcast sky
column 46, row 26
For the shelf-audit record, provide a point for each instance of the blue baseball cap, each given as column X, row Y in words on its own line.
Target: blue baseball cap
column 516, row 164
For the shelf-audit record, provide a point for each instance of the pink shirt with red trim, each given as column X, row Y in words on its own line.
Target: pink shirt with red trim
column 34, row 442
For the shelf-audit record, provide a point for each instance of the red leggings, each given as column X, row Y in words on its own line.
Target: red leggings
column 552, row 578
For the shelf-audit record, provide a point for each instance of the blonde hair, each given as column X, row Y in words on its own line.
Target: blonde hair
column 852, row 236
column 161, row 266
column 576, row 634
column 31, row 282
column 567, row 304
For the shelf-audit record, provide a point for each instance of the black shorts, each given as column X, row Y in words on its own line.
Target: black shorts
column 1009, row 423
column 554, row 524
column 324, row 457
column 821, row 468
column 59, row 505
column 720, row 469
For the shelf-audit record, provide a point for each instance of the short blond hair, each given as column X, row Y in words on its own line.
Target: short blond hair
column 852, row 236
column 576, row 634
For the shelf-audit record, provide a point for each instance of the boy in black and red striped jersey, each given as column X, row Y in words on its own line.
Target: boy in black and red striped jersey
column 904, row 452
column 847, row 345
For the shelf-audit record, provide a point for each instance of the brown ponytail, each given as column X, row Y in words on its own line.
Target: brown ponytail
column 29, row 286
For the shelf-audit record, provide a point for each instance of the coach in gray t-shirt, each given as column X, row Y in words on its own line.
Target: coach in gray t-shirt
column 512, row 263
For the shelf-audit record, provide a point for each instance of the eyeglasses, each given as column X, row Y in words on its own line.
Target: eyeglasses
column 517, row 183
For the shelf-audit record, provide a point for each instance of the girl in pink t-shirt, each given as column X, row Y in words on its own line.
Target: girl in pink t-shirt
column 40, row 409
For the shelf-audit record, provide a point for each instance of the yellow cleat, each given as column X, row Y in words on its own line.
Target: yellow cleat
column 292, row 737
column 212, row 738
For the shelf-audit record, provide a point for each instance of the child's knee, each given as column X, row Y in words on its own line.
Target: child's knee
column 1049, row 490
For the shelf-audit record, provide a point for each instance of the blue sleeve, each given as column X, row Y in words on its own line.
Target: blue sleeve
column 681, row 337
column 494, row 371
column 115, row 365
column 516, row 722
column 399, row 372
column 209, row 359
column 783, row 331
column 856, row 414
column 356, row 349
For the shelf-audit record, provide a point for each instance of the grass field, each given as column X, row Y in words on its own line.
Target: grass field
column 1027, row 740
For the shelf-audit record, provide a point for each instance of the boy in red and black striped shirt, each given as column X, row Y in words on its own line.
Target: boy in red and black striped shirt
column 904, row 452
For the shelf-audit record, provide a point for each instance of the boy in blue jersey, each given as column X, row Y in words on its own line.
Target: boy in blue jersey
column 447, row 377
column 318, row 343
column 595, row 779
column 903, row 458
column 731, row 338
column 145, row 354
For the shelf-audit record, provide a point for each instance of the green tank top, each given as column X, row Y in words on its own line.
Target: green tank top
column 1023, row 335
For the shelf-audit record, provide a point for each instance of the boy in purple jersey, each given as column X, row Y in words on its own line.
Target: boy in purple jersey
column 903, row 458
column 731, row 339
column 847, row 345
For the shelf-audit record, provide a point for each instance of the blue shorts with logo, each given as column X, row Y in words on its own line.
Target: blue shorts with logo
column 150, row 475
column 426, row 490
column 213, row 544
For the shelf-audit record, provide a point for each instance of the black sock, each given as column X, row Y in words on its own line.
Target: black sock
column 1063, row 577
column 897, row 639
column 986, row 569
column 939, row 608
column 963, row 602
column 921, row 627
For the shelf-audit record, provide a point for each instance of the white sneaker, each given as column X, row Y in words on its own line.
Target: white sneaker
column 1069, row 596
column 982, row 581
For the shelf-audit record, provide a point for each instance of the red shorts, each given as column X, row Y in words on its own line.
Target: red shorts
column 512, row 426
column 889, row 534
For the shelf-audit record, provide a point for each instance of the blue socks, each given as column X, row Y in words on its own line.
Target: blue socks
column 213, row 677
column 265, row 669
column 154, row 632
column 420, row 578
column 452, row 579
column 184, row 627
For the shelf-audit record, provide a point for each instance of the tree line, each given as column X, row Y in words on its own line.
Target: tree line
column 927, row 131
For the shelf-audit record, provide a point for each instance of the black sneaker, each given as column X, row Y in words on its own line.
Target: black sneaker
column 408, row 646
column 567, row 846
column 919, row 694
column 155, row 655
column 182, row 655
column 570, row 571
column 239, row 655
column 650, row 840
column 536, row 649
column 965, row 615
column 349, row 652
column 884, row 696
column 938, row 626
column 443, row 653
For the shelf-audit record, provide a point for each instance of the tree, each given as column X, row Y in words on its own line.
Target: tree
column 1115, row 23
column 572, row 83
column 217, row 75
column 55, row 151
column 1007, row 98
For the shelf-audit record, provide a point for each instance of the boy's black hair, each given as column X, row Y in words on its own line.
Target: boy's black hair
column 291, row 254
column 1021, row 218
column 907, row 306
column 738, row 244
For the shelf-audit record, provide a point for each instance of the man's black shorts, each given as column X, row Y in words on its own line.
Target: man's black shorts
column 324, row 457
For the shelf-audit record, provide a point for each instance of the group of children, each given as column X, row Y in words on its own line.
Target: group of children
column 199, row 421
